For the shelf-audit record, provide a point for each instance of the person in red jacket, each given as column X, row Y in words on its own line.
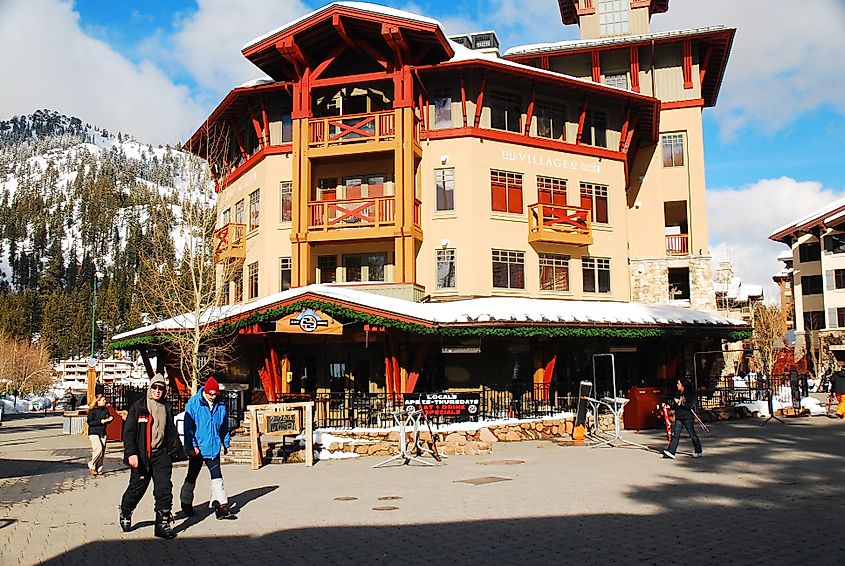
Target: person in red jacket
column 150, row 446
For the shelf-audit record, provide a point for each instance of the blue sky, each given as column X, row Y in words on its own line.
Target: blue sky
column 774, row 144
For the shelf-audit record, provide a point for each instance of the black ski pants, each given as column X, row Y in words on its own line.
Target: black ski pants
column 160, row 470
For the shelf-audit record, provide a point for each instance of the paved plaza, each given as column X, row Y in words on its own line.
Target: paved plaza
column 760, row 495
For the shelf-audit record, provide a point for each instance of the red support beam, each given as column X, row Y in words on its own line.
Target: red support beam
column 529, row 114
column 237, row 134
column 625, row 124
column 332, row 57
column 581, row 119
column 703, row 64
column 596, row 67
column 635, row 69
column 544, row 62
column 479, row 102
column 629, row 136
column 463, row 100
column 258, row 133
column 416, row 369
column 265, row 121
column 687, row 64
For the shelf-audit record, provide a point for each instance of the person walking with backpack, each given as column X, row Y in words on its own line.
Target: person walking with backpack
column 150, row 446
column 684, row 404
column 206, row 430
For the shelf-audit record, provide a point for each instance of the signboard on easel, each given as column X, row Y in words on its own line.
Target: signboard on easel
column 281, row 423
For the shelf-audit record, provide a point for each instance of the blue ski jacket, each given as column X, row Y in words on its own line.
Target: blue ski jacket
column 206, row 427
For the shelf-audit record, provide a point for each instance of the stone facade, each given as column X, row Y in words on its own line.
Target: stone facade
column 650, row 281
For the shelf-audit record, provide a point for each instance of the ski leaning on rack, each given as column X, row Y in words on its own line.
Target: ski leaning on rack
column 432, row 443
column 664, row 409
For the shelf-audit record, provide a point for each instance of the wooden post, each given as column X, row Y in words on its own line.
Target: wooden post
column 91, row 380
column 309, row 434
column 254, row 439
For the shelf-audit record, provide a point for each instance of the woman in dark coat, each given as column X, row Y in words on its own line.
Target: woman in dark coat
column 98, row 417
column 150, row 446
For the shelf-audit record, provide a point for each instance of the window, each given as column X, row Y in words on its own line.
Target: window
column 353, row 187
column 226, row 217
column 619, row 80
column 446, row 269
column 444, row 183
column 286, row 198
column 595, row 129
column 327, row 189
column 238, row 284
column 364, row 267
column 613, row 17
column 679, row 287
column 596, row 272
column 834, row 244
column 594, row 197
column 554, row 272
column 506, row 189
column 252, row 292
column 443, row 109
column 551, row 121
column 811, row 251
column 254, row 209
column 834, row 279
column 505, row 112
column 813, row 320
column 508, row 269
column 285, row 270
column 811, row 285
column 287, row 127
column 836, row 317
column 327, row 269
column 239, row 212
column 551, row 191
column 673, row 150
column 375, row 185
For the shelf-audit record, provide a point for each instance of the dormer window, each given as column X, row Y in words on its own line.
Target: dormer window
column 613, row 17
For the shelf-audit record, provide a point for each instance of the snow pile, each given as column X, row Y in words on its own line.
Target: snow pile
column 761, row 408
column 813, row 405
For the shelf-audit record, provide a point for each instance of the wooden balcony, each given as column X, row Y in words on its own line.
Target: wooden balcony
column 352, row 129
column 559, row 224
column 230, row 242
column 360, row 218
column 677, row 244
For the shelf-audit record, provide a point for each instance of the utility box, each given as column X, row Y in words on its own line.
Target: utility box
column 642, row 411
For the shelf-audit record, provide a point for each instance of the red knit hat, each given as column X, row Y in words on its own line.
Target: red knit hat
column 211, row 385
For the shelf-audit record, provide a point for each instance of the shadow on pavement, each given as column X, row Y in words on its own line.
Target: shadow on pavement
column 237, row 502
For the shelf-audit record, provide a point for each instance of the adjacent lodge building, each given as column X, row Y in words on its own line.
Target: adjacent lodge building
column 401, row 211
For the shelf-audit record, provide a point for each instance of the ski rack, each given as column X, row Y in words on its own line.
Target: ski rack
column 406, row 418
column 616, row 405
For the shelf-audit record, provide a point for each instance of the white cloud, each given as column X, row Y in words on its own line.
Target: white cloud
column 740, row 224
column 208, row 42
column 782, row 62
column 49, row 62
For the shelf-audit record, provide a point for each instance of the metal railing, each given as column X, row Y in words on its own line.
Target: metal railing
column 560, row 224
column 729, row 391
column 677, row 244
column 121, row 397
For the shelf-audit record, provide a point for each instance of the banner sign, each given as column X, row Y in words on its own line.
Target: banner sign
column 463, row 405
column 309, row 321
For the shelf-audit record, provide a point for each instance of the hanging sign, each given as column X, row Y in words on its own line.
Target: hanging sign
column 463, row 405
column 309, row 321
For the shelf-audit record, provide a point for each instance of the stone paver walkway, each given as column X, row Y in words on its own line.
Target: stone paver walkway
column 759, row 495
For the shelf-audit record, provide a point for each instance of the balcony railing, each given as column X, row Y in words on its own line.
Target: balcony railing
column 351, row 213
column 677, row 244
column 561, row 224
column 357, row 128
column 230, row 242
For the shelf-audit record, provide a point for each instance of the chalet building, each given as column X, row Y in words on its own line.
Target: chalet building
column 815, row 273
column 484, row 187
column 786, row 288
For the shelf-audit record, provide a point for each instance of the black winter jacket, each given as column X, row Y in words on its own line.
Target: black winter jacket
column 685, row 405
column 95, row 416
column 837, row 381
column 136, row 435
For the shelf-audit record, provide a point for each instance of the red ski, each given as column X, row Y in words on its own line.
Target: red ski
column 665, row 410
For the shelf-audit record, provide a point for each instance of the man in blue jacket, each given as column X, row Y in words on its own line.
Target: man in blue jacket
column 206, row 435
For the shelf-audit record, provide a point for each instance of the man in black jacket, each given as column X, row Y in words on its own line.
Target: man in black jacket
column 684, row 404
column 150, row 446
column 837, row 387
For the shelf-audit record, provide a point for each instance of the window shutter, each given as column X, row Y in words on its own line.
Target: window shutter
column 831, row 318
column 829, row 283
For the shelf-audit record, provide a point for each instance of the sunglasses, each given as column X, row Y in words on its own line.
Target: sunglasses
column 157, row 388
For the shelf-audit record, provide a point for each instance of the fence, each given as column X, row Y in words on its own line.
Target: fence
column 340, row 409
column 728, row 391
column 122, row 396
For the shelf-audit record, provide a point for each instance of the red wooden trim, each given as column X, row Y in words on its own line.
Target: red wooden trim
column 256, row 126
column 352, row 79
column 687, row 64
column 253, row 160
column 624, row 131
column 529, row 114
column 416, row 369
column 237, row 134
column 479, row 102
column 519, row 139
column 693, row 103
column 463, row 100
column 265, row 120
column 635, row 69
column 544, row 62
column 596, row 67
column 332, row 57
column 629, row 136
column 702, row 65
column 289, row 49
column 581, row 119
column 394, row 37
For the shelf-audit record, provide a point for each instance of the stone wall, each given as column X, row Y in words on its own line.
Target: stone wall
column 650, row 281
column 451, row 442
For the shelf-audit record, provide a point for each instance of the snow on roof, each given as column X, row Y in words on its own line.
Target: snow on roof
column 265, row 80
column 363, row 6
column 484, row 310
column 574, row 44
column 823, row 214
column 785, row 255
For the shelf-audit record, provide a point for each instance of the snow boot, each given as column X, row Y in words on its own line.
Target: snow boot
column 164, row 525
column 188, row 509
column 186, row 498
column 125, row 520
column 223, row 511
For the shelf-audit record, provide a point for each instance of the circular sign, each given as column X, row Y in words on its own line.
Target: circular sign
column 472, row 409
column 308, row 323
